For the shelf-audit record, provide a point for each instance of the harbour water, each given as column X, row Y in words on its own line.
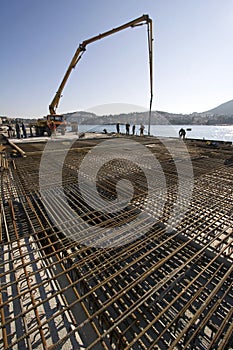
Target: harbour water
column 206, row 132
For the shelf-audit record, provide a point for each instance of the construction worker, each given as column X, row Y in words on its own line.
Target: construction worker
column 24, row 130
column 52, row 127
column 133, row 129
column 182, row 133
column 10, row 131
column 17, row 128
column 127, row 126
column 142, row 127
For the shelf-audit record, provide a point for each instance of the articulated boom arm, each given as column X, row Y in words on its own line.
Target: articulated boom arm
column 144, row 19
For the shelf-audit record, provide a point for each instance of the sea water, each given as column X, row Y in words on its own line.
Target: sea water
column 202, row 132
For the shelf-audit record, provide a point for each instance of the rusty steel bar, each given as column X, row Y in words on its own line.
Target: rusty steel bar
column 27, row 278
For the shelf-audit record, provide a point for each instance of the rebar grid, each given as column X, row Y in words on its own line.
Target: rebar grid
column 165, row 289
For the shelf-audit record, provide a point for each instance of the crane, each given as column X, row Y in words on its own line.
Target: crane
column 144, row 19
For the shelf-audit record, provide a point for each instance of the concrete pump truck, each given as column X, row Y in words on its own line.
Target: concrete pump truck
column 58, row 120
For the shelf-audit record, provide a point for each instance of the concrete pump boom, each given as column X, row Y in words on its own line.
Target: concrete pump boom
column 144, row 19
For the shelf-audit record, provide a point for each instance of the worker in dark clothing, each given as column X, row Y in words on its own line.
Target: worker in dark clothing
column 118, row 128
column 127, row 126
column 10, row 131
column 133, row 129
column 142, row 127
column 24, row 130
column 17, row 128
column 31, row 133
column 182, row 133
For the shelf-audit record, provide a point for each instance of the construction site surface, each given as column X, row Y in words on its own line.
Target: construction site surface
column 148, row 287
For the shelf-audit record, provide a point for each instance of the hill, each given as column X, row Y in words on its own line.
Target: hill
column 157, row 118
column 222, row 114
column 223, row 109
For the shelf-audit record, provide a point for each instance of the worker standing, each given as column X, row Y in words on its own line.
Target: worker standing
column 127, row 126
column 182, row 133
column 52, row 127
column 133, row 129
column 17, row 128
column 24, row 130
column 142, row 127
column 10, row 131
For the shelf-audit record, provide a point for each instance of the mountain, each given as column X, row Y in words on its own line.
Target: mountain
column 223, row 109
column 157, row 118
column 223, row 114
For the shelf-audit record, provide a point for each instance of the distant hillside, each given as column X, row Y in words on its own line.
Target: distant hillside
column 223, row 109
column 80, row 117
column 157, row 118
column 220, row 115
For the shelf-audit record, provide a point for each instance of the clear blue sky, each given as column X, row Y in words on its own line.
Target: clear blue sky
column 193, row 54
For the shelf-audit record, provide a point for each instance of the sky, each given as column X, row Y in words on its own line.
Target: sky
column 192, row 55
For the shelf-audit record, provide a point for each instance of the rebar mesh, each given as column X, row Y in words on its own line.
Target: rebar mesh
column 166, row 289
